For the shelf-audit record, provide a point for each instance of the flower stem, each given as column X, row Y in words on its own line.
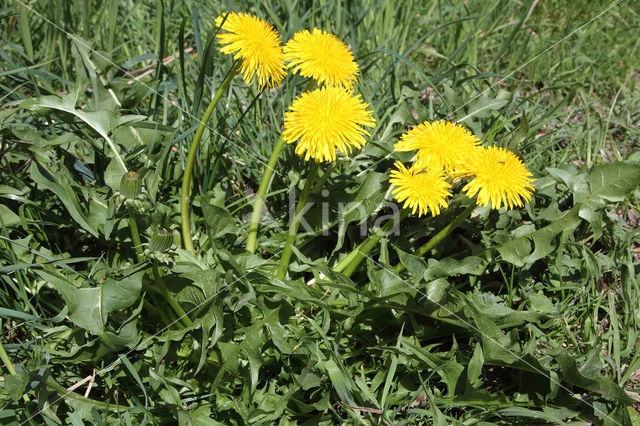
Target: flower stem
column 135, row 235
column 310, row 85
column 258, row 203
column 295, row 221
column 7, row 363
column 191, row 158
column 341, row 266
column 444, row 232
column 153, row 307
column 349, row 264
column 182, row 316
column 70, row 394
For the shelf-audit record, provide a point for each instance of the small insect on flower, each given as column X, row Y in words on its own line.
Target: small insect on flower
column 440, row 144
column 422, row 190
column 327, row 119
column 257, row 44
column 322, row 56
column 499, row 178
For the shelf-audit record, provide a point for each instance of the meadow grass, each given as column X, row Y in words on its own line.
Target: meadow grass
column 497, row 324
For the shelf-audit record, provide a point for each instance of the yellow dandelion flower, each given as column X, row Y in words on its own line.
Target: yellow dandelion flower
column 440, row 145
column 324, row 120
column 257, row 44
column 500, row 178
column 321, row 56
column 420, row 189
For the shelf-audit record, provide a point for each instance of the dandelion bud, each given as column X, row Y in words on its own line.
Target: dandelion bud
column 161, row 240
column 131, row 185
column 177, row 238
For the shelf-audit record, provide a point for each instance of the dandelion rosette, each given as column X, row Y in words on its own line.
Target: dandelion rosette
column 325, row 120
column 322, row 56
column 499, row 178
column 422, row 190
column 440, row 144
column 257, row 44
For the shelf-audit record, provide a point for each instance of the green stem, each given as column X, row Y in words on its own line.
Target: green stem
column 423, row 313
column 348, row 258
column 488, row 403
column 153, row 307
column 295, row 221
column 7, row 362
column 191, row 159
column 258, row 203
column 358, row 254
column 135, row 235
column 310, row 85
column 70, row 394
column 436, row 239
column 184, row 318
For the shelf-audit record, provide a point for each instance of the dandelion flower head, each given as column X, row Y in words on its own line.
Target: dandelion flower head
column 324, row 120
column 500, row 178
column 440, row 144
column 322, row 56
column 422, row 190
column 257, row 44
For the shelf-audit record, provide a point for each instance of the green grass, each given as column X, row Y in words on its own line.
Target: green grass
column 529, row 316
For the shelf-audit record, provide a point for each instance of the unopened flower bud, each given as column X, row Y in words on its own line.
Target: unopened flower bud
column 177, row 238
column 161, row 240
column 131, row 185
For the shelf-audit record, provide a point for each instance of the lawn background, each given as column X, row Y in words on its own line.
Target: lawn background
column 554, row 81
